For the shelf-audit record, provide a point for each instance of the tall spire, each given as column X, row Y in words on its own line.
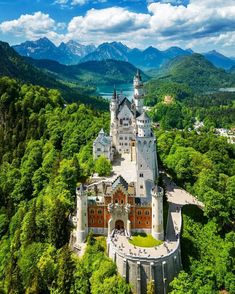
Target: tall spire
column 114, row 93
column 138, row 74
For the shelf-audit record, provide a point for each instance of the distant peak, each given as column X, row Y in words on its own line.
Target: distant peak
column 44, row 40
column 72, row 42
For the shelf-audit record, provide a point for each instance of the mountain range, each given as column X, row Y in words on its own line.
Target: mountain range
column 151, row 58
column 66, row 53
column 15, row 66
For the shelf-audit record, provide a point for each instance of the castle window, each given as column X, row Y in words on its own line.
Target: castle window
column 121, row 138
column 99, row 221
column 141, row 187
column 147, row 223
column 122, row 201
column 116, row 201
column 120, row 121
column 139, row 212
column 141, row 175
column 139, row 222
column 99, row 211
column 92, row 211
column 147, row 212
column 98, row 149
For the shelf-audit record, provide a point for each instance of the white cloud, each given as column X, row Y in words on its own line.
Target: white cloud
column 34, row 26
column 106, row 24
column 79, row 2
column 197, row 24
column 29, row 25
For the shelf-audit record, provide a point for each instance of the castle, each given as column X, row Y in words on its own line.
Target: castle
column 130, row 200
column 119, row 204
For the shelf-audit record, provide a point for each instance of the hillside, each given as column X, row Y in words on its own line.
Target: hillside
column 91, row 72
column 197, row 73
column 15, row 66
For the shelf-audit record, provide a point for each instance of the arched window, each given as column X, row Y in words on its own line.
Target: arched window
column 99, row 211
column 147, row 212
column 139, row 212
column 92, row 211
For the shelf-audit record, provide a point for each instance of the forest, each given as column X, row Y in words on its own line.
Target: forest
column 205, row 166
column 215, row 109
column 45, row 150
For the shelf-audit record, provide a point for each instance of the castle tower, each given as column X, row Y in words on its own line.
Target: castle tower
column 113, row 118
column 113, row 106
column 146, row 158
column 157, row 213
column 82, row 221
column 138, row 92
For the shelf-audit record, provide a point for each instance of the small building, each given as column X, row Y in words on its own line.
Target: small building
column 102, row 146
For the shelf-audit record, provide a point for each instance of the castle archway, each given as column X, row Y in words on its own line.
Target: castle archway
column 119, row 225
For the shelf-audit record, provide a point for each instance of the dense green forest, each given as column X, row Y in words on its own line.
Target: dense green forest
column 193, row 83
column 45, row 149
column 215, row 109
column 197, row 72
column 205, row 166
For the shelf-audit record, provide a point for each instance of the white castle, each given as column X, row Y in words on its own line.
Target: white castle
column 131, row 136
column 129, row 201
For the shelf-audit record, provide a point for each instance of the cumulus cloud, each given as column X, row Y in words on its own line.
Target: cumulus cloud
column 29, row 25
column 33, row 26
column 166, row 23
column 196, row 20
column 108, row 23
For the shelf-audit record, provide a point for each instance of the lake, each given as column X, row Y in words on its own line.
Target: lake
column 107, row 91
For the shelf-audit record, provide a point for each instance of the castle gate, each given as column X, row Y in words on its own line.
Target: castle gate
column 119, row 225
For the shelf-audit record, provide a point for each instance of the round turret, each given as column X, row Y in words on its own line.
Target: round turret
column 113, row 106
column 82, row 222
column 138, row 92
column 157, row 213
column 138, row 83
column 144, row 125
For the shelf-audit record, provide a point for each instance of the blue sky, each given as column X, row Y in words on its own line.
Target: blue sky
column 202, row 25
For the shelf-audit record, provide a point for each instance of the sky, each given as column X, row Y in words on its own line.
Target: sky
column 202, row 25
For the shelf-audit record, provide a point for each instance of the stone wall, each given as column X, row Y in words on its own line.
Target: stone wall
column 138, row 271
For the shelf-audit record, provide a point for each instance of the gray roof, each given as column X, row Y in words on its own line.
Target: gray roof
column 102, row 138
column 120, row 181
column 143, row 116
